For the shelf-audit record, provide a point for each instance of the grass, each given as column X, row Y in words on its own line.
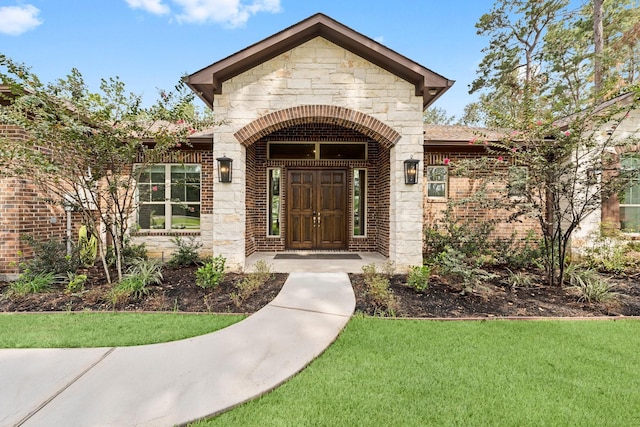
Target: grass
column 495, row 373
column 70, row 330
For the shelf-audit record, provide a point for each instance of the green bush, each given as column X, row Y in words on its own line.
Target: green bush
column 49, row 256
column 186, row 252
column 466, row 236
column 378, row 290
column 135, row 283
column 610, row 254
column 149, row 270
column 211, row 273
column 418, row 277
column 251, row 283
column 130, row 253
column 519, row 280
column 76, row 283
column 589, row 285
column 454, row 264
column 87, row 247
column 32, row 283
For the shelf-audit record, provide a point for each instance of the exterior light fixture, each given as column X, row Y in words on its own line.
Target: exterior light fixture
column 433, row 92
column 225, row 169
column 411, row 171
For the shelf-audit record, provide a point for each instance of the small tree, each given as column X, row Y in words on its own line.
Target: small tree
column 80, row 147
column 565, row 182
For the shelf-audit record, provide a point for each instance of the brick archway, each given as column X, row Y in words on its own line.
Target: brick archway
column 340, row 116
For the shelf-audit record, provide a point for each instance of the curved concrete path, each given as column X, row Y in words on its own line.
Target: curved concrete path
column 181, row 381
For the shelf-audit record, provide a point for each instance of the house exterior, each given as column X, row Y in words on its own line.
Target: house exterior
column 318, row 123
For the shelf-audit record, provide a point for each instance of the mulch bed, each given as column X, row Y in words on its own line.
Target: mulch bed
column 442, row 299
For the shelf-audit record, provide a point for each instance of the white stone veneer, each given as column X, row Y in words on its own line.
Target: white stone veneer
column 319, row 72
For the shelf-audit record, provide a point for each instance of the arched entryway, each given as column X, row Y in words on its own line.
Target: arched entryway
column 317, row 179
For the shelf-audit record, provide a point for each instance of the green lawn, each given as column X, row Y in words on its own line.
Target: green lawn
column 104, row 329
column 494, row 373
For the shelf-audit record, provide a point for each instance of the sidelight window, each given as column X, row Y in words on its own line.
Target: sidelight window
column 359, row 201
column 274, row 191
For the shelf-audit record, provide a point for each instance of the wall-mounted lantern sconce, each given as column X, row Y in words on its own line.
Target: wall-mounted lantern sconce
column 411, row 171
column 225, row 169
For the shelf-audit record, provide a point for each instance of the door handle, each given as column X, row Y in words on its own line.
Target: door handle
column 318, row 216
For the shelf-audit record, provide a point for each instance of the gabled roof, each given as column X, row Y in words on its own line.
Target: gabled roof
column 207, row 82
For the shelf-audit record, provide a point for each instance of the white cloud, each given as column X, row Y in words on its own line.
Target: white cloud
column 152, row 6
column 233, row 13
column 15, row 20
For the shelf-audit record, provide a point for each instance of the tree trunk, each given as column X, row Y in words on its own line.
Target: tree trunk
column 598, row 43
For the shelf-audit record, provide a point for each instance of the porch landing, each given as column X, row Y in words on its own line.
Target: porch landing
column 310, row 265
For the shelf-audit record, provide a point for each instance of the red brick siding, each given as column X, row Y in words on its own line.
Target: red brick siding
column 459, row 187
column 377, row 197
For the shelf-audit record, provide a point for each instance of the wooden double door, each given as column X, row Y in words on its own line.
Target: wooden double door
column 317, row 209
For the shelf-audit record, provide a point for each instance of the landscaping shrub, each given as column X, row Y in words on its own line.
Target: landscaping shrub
column 379, row 292
column 135, row 283
column 468, row 237
column 519, row 280
column 211, row 273
column 589, row 285
column 454, row 264
column 186, row 252
column 76, row 283
column 418, row 277
column 251, row 283
column 49, row 256
column 130, row 253
column 612, row 255
column 31, row 283
column 87, row 247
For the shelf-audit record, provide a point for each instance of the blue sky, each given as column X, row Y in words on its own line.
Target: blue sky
column 150, row 44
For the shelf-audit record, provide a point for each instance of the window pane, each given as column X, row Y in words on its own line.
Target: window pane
column 359, row 200
column 436, row 190
column 292, row 151
column 185, row 216
column 151, row 216
column 274, row 203
column 436, row 173
column 630, row 218
column 157, row 192
column 436, row 181
column 343, row 151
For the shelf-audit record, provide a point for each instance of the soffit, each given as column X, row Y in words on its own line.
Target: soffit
column 207, row 82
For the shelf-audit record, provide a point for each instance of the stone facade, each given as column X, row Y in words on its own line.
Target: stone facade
column 320, row 75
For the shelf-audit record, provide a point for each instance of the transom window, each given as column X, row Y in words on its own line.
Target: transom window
column 630, row 199
column 169, row 197
column 317, row 150
column 437, row 181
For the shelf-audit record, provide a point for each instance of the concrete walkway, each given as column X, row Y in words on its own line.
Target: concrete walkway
column 181, row 381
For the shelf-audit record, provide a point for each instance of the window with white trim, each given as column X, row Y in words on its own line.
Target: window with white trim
column 169, row 197
column 630, row 198
column 437, row 182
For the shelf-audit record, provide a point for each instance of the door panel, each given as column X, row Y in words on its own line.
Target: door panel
column 316, row 209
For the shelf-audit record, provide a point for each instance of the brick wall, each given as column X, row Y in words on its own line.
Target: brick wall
column 23, row 211
column 462, row 187
column 377, row 235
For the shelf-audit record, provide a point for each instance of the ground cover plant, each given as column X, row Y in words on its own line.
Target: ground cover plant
column 68, row 330
column 498, row 373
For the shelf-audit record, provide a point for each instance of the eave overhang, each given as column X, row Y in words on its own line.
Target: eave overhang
column 207, row 82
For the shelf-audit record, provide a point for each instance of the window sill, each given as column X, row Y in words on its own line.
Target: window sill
column 437, row 199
